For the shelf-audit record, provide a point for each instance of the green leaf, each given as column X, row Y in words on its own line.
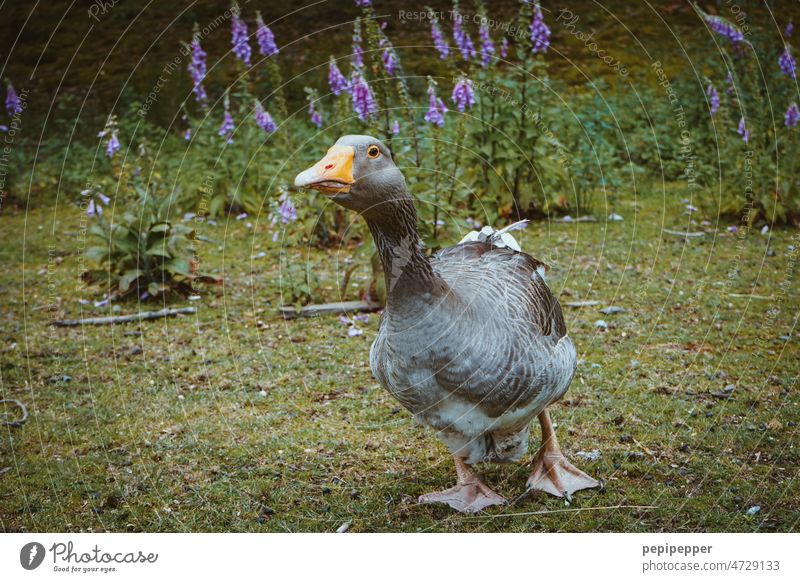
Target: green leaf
column 128, row 278
column 179, row 266
column 97, row 253
column 160, row 227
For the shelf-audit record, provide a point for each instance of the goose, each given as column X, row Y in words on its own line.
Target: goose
column 471, row 340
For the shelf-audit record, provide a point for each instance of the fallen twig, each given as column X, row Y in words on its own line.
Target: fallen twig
column 113, row 320
column 15, row 423
column 328, row 308
column 589, row 303
column 567, row 510
column 684, row 234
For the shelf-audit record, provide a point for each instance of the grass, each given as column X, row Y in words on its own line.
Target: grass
column 236, row 420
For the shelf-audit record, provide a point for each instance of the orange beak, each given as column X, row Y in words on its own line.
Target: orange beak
column 333, row 173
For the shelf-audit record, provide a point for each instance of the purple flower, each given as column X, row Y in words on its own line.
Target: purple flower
column 240, row 39
column 504, row 47
column 187, row 135
column 264, row 119
column 388, row 61
column 713, row 98
column 787, row 63
column 357, row 59
column 724, row 28
column 463, row 95
column 13, row 104
column 336, row 80
column 438, row 40
column 226, row 129
column 462, row 39
column 96, row 203
column 792, row 115
column 316, row 116
column 265, row 38
column 395, row 127
column 789, row 29
column 540, row 34
column 731, row 85
column 436, row 107
column 363, row 3
column 112, row 145
column 197, row 71
column 363, row 101
column 286, row 210
column 487, row 46
column 742, row 130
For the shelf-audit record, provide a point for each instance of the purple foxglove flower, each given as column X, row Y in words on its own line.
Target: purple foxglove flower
column 357, row 58
column 363, row 101
column 439, row 41
column 112, row 145
column 226, row 129
column 395, row 127
column 792, row 115
column 286, row 210
column 724, row 28
column 787, row 63
column 316, row 116
column 436, row 107
column 103, row 198
column 197, row 71
column 789, row 29
column 713, row 98
column 742, row 130
column 240, row 39
column 13, row 104
column 264, row 119
column 92, row 210
column 463, row 95
column 265, row 38
column 336, row 80
column 462, row 39
column 540, row 33
column 388, row 61
column 504, row 47
column 487, row 46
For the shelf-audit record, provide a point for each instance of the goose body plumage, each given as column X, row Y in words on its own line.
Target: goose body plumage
column 480, row 361
column 472, row 342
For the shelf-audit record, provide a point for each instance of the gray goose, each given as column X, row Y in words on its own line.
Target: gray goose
column 472, row 342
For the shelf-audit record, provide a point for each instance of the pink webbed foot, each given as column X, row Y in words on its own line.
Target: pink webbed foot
column 470, row 495
column 554, row 474
column 466, row 498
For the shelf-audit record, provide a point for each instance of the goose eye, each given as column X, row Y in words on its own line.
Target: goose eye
column 373, row 151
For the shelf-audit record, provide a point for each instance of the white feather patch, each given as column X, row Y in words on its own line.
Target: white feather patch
column 499, row 238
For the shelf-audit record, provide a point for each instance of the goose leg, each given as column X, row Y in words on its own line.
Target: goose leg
column 470, row 495
column 552, row 472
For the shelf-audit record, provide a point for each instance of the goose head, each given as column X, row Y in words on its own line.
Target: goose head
column 358, row 173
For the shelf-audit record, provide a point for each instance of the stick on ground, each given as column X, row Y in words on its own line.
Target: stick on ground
column 113, row 320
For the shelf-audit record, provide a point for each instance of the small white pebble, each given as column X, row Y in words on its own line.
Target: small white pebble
column 753, row 510
column 600, row 323
column 262, row 393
